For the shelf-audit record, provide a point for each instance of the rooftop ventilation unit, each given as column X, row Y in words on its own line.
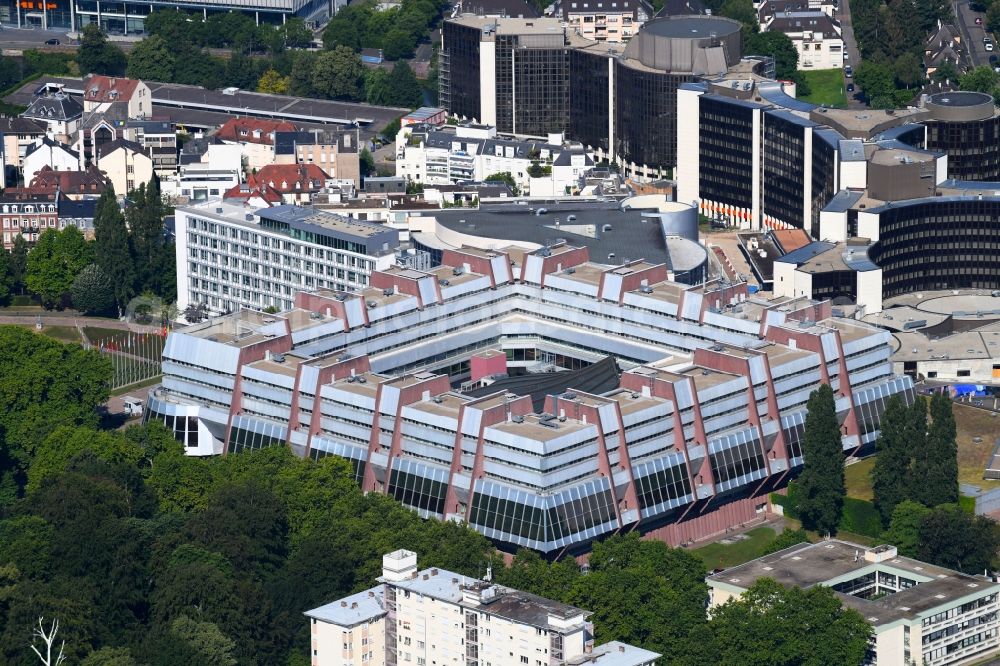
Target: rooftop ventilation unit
column 571, row 270
column 315, row 315
column 517, row 418
column 387, row 292
column 457, row 271
column 646, row 289
column 444, row 283
column 371, row 304
column 278, row 358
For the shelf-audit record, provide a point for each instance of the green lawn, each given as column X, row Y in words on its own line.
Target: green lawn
column 717, row 555
column 62, row 333
column 148, row 345
column 857, row 478
column 826, row 87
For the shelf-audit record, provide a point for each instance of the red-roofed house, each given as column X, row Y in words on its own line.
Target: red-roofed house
column 296, row 183
column 99, row 90
column 75, row 185
column 256, row 136
column 260, row 195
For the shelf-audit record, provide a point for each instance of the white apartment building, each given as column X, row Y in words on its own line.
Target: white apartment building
column 816, row 35
column 453, row 154
column 230, row 257
column 435, row 617
column 920, row 613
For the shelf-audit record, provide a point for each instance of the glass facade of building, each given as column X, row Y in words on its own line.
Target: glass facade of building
column 541, row 91
column 942, row 243
column 589, row 97
column 646, row 115
column 973, row 147
column 783, row 177
column 459, row 69
column 726, row 151
column 824, row 170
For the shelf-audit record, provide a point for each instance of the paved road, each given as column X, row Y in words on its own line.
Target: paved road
column 851, row 47
column 973, row 34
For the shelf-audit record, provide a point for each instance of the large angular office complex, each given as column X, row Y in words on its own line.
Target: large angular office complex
column 542, row 399
column 534, row 77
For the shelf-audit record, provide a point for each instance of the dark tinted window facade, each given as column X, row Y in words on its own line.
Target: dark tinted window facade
column 726, row 151
column 646, row 116
column 973, row 147
column 588, row 83
column 824, row 168
column 505, row 45
column 939, row 244
column 459, row 70
column 541, row 91
column 833, row 284
column 782, row 179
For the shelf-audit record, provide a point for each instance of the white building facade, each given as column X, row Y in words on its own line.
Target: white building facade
column 229, row 256
column 439, row 617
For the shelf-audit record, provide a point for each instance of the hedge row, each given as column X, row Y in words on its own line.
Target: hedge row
column 859, row 516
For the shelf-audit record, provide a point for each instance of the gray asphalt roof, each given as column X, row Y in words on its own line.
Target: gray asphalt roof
column 842, row 201
column 631, row 235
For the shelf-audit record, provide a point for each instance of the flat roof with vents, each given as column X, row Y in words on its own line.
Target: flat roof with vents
column 836, row 563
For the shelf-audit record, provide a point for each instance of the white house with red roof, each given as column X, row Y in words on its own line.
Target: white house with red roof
column 256, row 196
column 256, row 137
column 296, row 183
column 99, row 90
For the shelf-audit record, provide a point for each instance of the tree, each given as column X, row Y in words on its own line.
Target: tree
column 92, row 292
column 780, row 47
column 904, row 528
column 109, row 656
column 742, row 11
column 504, row 177
column 98, row 56
column 891, row 473
column 195, row 313
column 907, row 70
column 6, row 277
column 45, row 384
column 19, row 263
column 939, row 484
column 338, row 74
column 993, row 17
column 152, row 256
column 48, row 640
column 953, row 538
column 151, row 59
column 206, row 638
column 981, row 79
column 54, row 262
column 822, row 480
column 404, row 85
column 946, row 72
column 772, row 624
column 787, row 539
column 112, row 247
column 877, row 82
column 367, row 162
column 377, row 89
column 296, row 33
column 273, row 83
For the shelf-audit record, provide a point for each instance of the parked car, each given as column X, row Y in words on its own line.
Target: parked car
column 850, row 87
column 979, row 20
column 52, row 42
column 988, row 46
column 846, row 56
column 848, row 71
column 993, row 59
